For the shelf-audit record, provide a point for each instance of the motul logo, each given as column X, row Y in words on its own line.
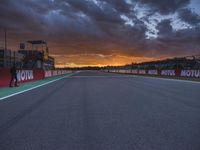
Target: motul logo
column 153, row 72
column 142, row 71
column 48, row 73
column 168, row 73
column 190, row 73
column 23, row 75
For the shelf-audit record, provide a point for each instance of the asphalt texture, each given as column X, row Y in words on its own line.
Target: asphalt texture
column 103, row 111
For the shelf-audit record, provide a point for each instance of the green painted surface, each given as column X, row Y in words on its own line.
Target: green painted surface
column 5, row 91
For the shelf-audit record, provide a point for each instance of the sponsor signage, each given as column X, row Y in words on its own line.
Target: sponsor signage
column 135, row 71
column 48, row 73
column 51, row 73
column 24, row 75
column 168, row 72
column 141, row 71
column 190, row 73
column 174, row 72
column 153, row 72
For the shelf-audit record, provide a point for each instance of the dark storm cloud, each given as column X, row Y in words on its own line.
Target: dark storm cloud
column 23, row 16
column 189, row 16
column 176, row 42
column 87, row 26
column 89, row 8
column 165, row 6
column 120, row 6
column 164, row 28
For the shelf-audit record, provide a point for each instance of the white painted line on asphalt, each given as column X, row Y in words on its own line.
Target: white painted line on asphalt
column 17, row 93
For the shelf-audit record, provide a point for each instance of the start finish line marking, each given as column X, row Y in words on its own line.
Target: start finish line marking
column 32, row 88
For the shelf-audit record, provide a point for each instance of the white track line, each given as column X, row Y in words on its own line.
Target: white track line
column 17, row 93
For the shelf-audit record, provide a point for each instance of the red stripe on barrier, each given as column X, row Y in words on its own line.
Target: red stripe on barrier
column 23, row 75
column 51, row 73
column 26, row 75
column 170, row 72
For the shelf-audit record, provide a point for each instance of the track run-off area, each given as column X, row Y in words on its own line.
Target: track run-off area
column 102, row 111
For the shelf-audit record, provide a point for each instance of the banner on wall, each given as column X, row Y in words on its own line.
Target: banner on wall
column 23, row 75
column 152, row 72
column 173, row 72
column 26, row 75
column 51, row 73
column 168, row 72
column 190, row 73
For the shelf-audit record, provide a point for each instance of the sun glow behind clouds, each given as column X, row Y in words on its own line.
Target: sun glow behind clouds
column 82, row 60
column 105, row 32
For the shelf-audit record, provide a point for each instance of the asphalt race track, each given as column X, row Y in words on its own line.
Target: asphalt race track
column 102, row 111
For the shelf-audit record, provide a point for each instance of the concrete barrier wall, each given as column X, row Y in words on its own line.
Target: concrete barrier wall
column 51, row 73
column 23, row 75
column 172, row 72
column 27, row 75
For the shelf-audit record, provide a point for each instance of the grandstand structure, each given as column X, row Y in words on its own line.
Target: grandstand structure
column 37, row 56
column 188, row 62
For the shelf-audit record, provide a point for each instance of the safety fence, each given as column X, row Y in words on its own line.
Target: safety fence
column 27, row 75
column 175, row 72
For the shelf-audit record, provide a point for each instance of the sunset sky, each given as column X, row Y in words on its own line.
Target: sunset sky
column 104, row 32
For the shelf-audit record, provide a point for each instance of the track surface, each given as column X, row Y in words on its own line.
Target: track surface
column 99, row 111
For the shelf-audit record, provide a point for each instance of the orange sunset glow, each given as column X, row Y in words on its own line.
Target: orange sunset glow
column 99, row 74
column 97, row 60
column 108, row 32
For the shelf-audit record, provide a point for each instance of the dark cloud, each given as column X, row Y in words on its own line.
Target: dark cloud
column 97, row 27
column 165, row 28
column 183, row 36
column 105, row 13
column 176, row 42
column 120, row 6
column 165, row 6
column 189, row 17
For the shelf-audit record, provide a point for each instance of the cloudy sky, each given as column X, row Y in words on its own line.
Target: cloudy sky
column 104, row 32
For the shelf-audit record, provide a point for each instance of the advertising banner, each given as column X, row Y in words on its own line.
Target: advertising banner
column 172, row 72
column 190, row 73
column 51, row 73
column 141, row 71
column 23, row 75
column 168, row 73
column 152, row 72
